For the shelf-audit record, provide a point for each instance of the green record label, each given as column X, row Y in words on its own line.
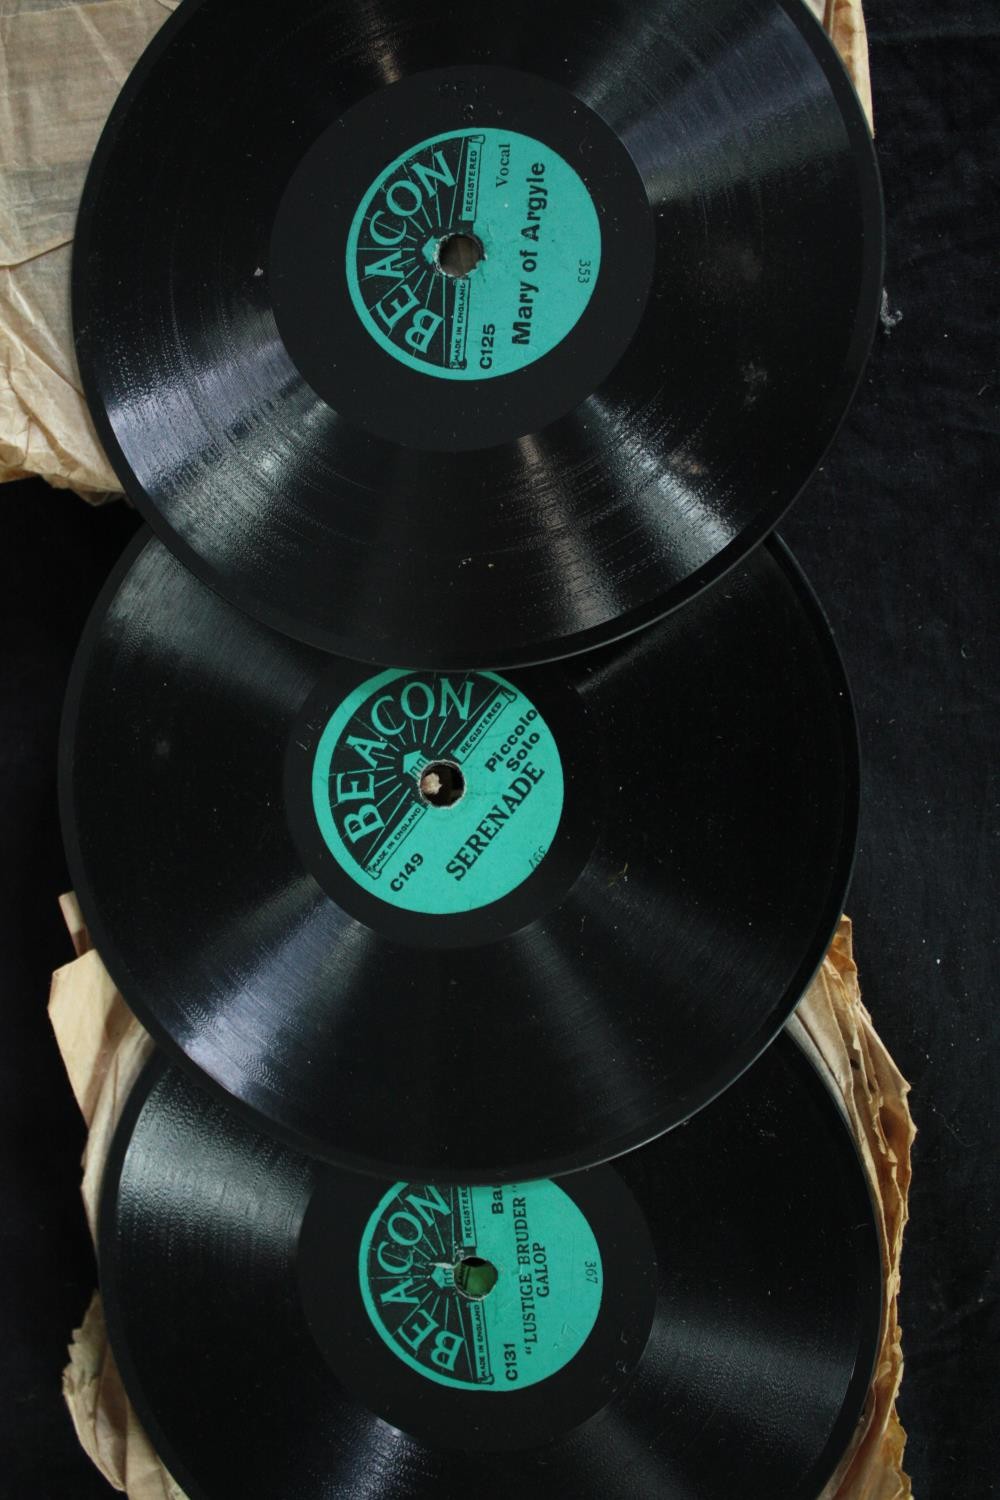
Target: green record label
column 437, row 793
column 483, row 1288
column 522, row 214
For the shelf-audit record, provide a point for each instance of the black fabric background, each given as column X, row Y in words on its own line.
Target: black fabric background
column 899, row 533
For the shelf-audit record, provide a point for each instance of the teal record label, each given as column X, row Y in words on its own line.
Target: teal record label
column 483, row 1288
column 472, row 740
column 533, row 224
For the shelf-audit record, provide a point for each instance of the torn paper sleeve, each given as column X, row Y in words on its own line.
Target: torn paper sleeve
column 62, row 65
column 834, row 1020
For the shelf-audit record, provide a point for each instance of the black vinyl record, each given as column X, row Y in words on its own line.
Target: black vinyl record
column 482, row 926
column 697, row 1321
column 667, row 228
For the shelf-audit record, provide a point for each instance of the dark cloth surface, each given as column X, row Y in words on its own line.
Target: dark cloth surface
column 899, row 534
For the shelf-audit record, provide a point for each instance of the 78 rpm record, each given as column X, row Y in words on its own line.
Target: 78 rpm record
column 481, row 925
column 436, row 336
column 696, row 1321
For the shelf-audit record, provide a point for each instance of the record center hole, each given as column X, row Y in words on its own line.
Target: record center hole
column 458, row 254
column 442, row 783
column 475, row 1278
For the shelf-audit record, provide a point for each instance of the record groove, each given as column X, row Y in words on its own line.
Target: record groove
column 658, row 366
column 724, row 1285
column 633, row 890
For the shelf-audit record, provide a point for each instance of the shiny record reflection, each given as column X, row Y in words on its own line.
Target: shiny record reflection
column 726, row 1311
column 477, row 924
column 671, row 227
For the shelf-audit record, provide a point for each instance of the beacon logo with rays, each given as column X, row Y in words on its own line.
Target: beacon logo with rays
column 437, row 793
column 489, row 1288
column 412, row 1259
column 377, row 784
column 421, row 202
